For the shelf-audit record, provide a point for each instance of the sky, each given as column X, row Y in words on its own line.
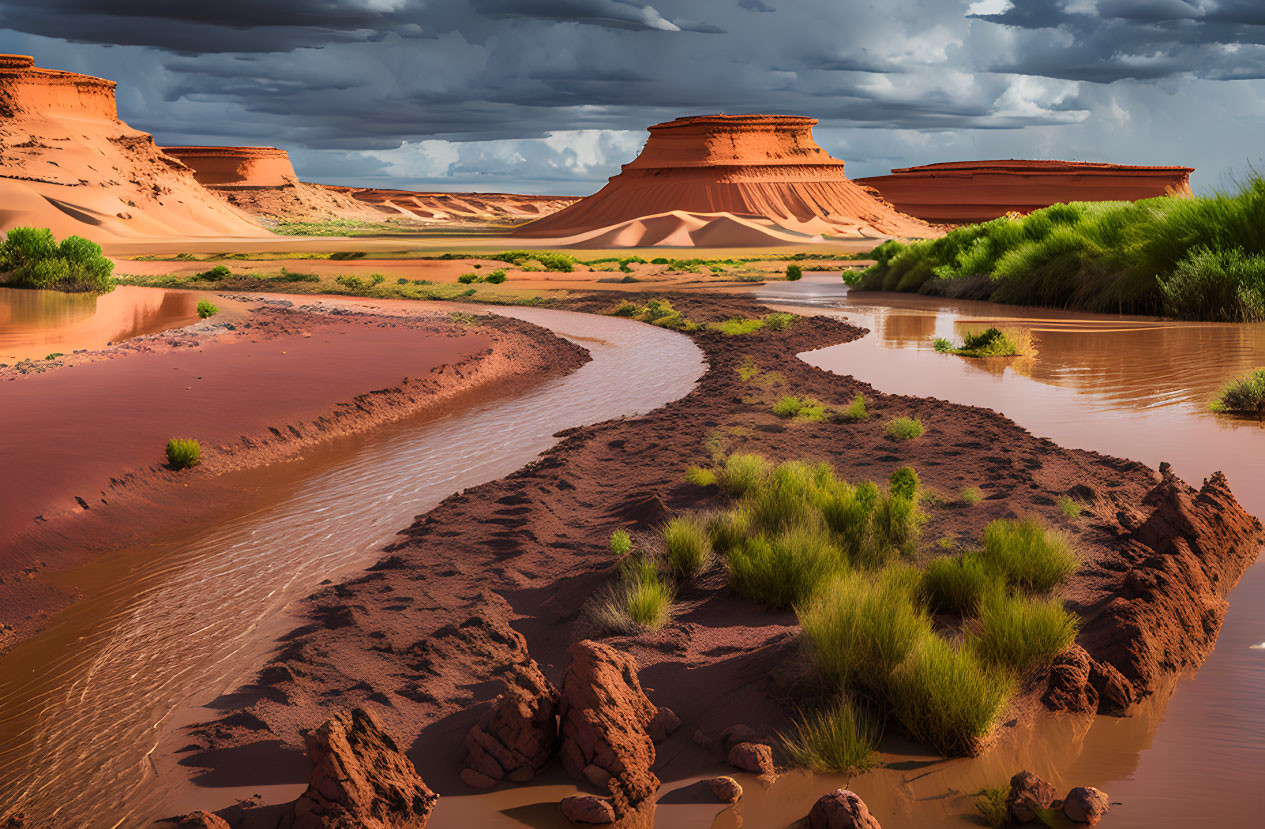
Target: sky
column 552, row 96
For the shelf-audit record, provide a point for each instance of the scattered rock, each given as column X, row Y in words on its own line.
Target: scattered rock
column 516, row 737
column 841, row 809
column 1028, row 793
column 585, row 808
column 201, row 820
column 756, row 758
column 726, row 789
column 1115, row 693
column 1085, row 804
column 665, row 722
column 603, row 718
column 361, row 779
column 1069, row 688
column 735, row 734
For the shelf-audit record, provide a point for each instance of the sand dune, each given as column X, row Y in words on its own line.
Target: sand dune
column 457, row 208
column 960, row 192
column 758, row 179
column 68, row 163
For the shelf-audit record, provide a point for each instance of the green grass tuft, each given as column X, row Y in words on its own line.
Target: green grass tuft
column 971, row 495
column 620, row 543
column 642, row 600
column 689, row 546
column 699, row 476
column 183, row 453
column 834, row 740
column 206, row 309
column 1070, row 508
column 781, row 569
column 1020, row 633
column 1246, row 395
column 743, row 472
column 957, row 583
column 856, row 411
column 990, row 806
column 904, row 428
column 1028, row 556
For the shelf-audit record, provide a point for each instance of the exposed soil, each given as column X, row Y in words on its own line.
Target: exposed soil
column 503, row 571
column 83, row 459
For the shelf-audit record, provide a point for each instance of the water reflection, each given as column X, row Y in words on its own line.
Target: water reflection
column 34, row 324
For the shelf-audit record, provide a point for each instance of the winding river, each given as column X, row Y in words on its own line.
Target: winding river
column 163, row 629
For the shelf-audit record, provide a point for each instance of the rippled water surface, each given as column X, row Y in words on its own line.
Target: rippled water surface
column 34, row 324
column 83, row 704
column 1130, row 387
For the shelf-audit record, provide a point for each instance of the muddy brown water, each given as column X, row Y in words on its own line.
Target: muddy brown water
column 34, row 324
column 86, row 705
column 83, row 705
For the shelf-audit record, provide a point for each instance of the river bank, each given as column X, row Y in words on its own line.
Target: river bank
column 257, row 384
column 522, row 556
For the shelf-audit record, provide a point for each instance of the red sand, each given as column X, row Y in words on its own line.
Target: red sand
column 723, row 180
column 81, row 426
column 457, row 208
column 68, row 163
column 962, row 192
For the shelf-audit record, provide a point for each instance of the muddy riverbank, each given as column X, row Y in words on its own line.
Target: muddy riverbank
column 259, row 384
column 422, row 636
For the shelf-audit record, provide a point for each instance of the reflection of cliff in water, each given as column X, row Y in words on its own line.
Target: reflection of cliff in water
column 36, row 323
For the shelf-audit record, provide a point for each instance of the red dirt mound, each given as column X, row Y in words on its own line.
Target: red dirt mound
column 962, row 192
column 764, row 170
column 68, row 163
column 262, row 182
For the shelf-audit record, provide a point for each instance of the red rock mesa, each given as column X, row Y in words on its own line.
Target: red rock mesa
column 68, row 163
column 719, row 180
column 963, row 192
column 262, row 182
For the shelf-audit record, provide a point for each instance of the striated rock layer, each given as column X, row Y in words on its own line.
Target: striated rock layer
column 964, row 192
column 727, row 180
column 68, row 163
column 262, row 182
column 457, row 208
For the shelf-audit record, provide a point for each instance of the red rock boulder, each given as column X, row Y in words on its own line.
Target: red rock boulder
column 1028, row 795
column 756, row 758
column 1085, row 804
column 841, row 809
column 201, row 820
column 603, row 717
column 516, row 737
column 360, row 779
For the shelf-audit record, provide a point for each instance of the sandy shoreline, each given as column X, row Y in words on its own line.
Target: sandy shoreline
column 525, row 553
column 256, row 386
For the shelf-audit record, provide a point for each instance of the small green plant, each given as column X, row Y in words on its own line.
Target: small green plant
column 990, row 806
column 215, row 274
column 293, row 276
column 942, row 345
column 1246, row 395
column 183, row 453
column 971, row 495
column 856, row 411
column 1019, row 632
column 1070, row 508
column 641, row 600
column 1027, row 555
column 468, row 278
column 699, row 476
column 620, row 544
column 904, row 428
column 779, row 321
column 957, row 583
column 206, row 309
column 834, row 740
column 495, row 277
column 743, row 472
column 785, row 567
column 793, row 272
column 53, row 356
column 689, row 546
column 904, row 483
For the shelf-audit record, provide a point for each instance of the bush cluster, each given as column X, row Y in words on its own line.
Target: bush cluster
column 31, row 258
column 1246, row 395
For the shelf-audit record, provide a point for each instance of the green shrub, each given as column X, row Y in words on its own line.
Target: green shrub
column 896, row 524
column 206, row 309
column 856, row 411
column 31, row 258
column 183, row 453
column 291, row 276
column 834, row 740
column 495, row 277
column 621, row 544
column 1070, row 508
column 1027, row 555
column 788, row 406
column 626, row 309
column 904, row 428
column 858, row 630
column 351, row 283
column 468, row 278
column 781, row 569
column 699, row 476
column 1020, row 632
column 689, row 547
column 342, row 255
column 793, row 272
column 551, row 260
column 737, row 326
column 641, row 600
column 1219, row 285
column 215, row 274
column 942, row 345
column 957, row 584
column 947, row 697
column 972, row 495
column 904, row 483
column 743, row 472
column 728, row 529
column 779, row 321
column 1246, row 395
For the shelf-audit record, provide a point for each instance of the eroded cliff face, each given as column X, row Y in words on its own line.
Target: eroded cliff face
column 68, row 163
column 964, row 192
column 261, row 181
column 728, row 179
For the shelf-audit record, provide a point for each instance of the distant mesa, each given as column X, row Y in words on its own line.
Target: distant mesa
column 722, row 180
column 963, row 192
column 68, row 163
column 237, row 166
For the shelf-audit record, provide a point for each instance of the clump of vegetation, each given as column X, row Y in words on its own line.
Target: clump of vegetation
column 738, row 326
column 1070, row 508
column 956, row 584
column 1190, row 258
column 1246, row 395
column 468, row 278
column 294, row 276
column 742, row 473
column 904, row 428
column 549, row 260
column 183, row 453
column 972, row 495
column 641, row 600
column 990, row 806
column 800, row 408
column 496, row 277
column 1026, row 555
column 31, row 258
column 338, row 227
column 620, row 543
column 699, row 476
column 689, row 546
column 794, row 272
column 206, row 309
column 856, row 411
column 834, row 740
column 343, row 255
column 993, row 342
column 1020, row 632
column 215, row 274
column 355, row 284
